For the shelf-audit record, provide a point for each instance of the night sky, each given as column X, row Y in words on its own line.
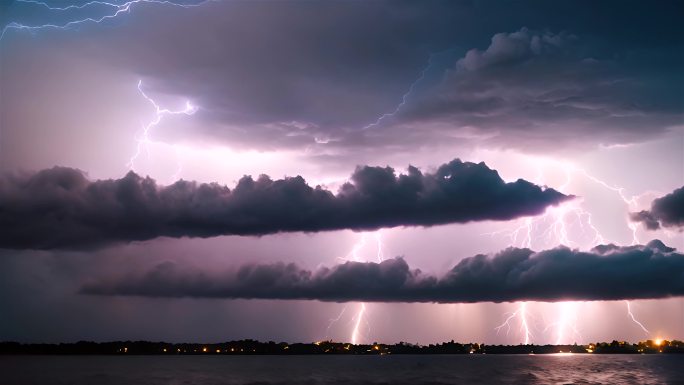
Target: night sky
column 502, row 172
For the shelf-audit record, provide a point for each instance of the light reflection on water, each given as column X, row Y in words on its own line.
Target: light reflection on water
column 399, row 369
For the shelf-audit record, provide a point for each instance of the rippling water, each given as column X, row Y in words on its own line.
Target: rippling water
column 423, row 369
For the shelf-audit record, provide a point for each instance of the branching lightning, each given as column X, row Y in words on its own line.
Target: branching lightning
column 356, row 255
column 101, row 12
column 113, row 10
column 144, row 141
column 521, row 314
column 105, row 11
column 552, row 229
column 335, row 320
column 630, row 202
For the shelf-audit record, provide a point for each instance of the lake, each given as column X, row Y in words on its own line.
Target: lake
column 397, row 369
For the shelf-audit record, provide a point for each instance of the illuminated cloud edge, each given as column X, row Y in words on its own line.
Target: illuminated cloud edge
column 607, row 272
column 666, row 211
column 60, row 208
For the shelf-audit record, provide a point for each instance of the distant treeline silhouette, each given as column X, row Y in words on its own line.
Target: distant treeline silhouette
column 252, row 347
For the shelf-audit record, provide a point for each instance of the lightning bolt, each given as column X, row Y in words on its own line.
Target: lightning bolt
column 107, row 10
column 441, row 61
column 630, row 202
column 557, row 217
column 629, row 311
column 113, row 10
column 356, row 334
column 566, row 322
column 521, row 313
column 356, row 255
column 357, row 325
column 553, row 228
column 144, row 141
column 404, row 98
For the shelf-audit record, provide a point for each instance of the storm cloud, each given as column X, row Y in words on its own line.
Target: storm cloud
column 523, row 89
column 61, row 208
column 313, row 75
column 607, row 272
column 666, row 211
column 528, row 87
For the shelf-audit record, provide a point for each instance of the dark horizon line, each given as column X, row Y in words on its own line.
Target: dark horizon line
column 254, row 347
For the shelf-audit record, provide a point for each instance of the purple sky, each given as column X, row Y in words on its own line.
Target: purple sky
column 576, row 113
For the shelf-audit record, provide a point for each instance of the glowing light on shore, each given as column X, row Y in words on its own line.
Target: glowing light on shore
column 357, row 255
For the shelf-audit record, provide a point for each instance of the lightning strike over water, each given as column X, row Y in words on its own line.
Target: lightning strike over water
column 567, row 322
column 334, row 321
column 144, row 141
column 553, row 228
column 631, row 204
column 103, row 11
column 356, row 255
column 631, row 315
column 357, row 324
column 355, row 335
column 521, row 314
column 340, row 162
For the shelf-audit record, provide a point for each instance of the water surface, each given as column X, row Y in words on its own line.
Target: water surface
column 397, row 369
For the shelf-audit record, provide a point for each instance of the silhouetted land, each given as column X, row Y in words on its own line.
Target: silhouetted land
column 251, row 347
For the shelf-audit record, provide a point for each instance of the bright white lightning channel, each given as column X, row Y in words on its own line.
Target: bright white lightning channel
column 521, row 314
column 553, row 227
column 356, row 255
column 144, row 141
column 631, row 315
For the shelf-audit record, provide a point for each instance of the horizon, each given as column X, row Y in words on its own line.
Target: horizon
column 655, row 342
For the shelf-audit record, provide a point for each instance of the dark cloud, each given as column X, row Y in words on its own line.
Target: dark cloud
column 528, row 89
column 607, row 272
column 667, row 211
column 532, row 85
column 313, row 75
column 61, row 208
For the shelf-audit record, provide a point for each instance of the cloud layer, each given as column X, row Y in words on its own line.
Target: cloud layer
column 526, row 88
column 607, row 272
column 61, row 208
column 530, row 88
column 667, row 211
column 280, row 77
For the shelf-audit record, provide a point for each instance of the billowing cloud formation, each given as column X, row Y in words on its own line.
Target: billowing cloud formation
column 61, row 208
column 530, row 87
column 667, row 211
column 527, row 88
column 280, row 76
column 607, row 272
